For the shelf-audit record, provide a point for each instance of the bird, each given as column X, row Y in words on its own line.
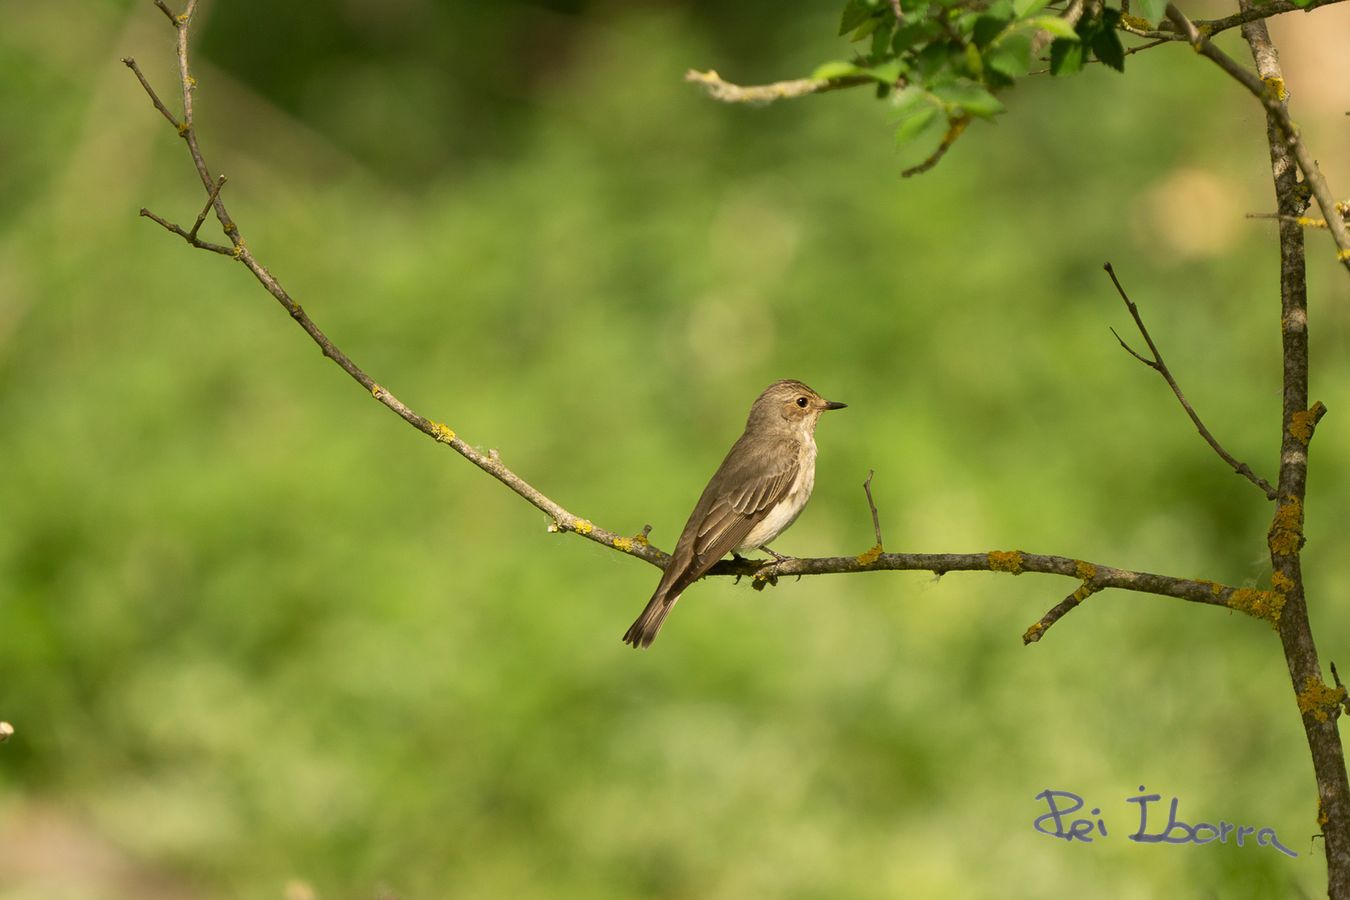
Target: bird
column 757, row 492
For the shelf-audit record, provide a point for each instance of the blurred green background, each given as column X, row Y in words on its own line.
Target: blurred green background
column 260, row 639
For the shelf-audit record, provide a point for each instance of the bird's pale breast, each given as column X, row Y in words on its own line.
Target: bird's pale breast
column 787, row 510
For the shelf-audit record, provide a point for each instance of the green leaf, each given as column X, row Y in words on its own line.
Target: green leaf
column 912, row 126
column 933, row 59
column 970, row 97
column 1066, row 56
column 881, row 38
column 1153, row 11
column 836, row 69
column 866, row 28
column 1010, row 54
column 887, row 73
column 1054, row 25
column 986, row 29
column 913, row 34
column 1106, row 44
column 855, row 13
column 1024, row 8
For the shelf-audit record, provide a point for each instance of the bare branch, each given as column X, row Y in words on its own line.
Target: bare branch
column 1158, row 365
column 154, row 98
column 187, row 236
column 206, row 210
column 871, row 504
column 1270, row 91
column 727, row 92
column 954, row 129
column 1059, row 610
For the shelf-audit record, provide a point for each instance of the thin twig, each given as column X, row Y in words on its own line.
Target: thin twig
column 1158, row 365
column 954, row 129
column 727, row 92
column 1059, row 611
column 897, row 10
column 876, row 522
column 1270, row 91
column 206, row 210
column 167, row 12
column 154, row 98
column 187, row 236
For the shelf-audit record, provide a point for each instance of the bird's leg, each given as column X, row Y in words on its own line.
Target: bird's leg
column 769, row 573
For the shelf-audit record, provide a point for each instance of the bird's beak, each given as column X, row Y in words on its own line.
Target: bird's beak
column 834, row 404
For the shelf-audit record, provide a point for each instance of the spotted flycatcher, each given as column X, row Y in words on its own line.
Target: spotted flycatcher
column 757, row 492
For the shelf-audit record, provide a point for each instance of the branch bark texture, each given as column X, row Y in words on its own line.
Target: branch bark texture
column 1286, row 531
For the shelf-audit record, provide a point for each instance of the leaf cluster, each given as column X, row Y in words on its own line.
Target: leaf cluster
column 943, row 62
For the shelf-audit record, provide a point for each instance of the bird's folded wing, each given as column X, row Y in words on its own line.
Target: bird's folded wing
column 733, row 514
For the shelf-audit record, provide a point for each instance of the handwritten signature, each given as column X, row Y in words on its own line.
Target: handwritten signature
column 1062, row 804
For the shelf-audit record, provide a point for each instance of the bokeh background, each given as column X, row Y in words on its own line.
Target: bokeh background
column 259, row 639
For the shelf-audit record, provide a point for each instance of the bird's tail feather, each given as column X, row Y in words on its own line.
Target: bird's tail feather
column 642, row 632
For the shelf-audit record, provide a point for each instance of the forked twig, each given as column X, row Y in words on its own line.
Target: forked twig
column 1158, row 365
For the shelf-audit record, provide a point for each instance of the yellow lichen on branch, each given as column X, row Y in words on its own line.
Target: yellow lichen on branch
column 1268, row 605
column 1301, row 424
column 1086, row 570
column 1319, row 699
column 1286, row 530
column 1006, row 561
column 624, row 544
column 582, row 526
column 867, row 557
column 444, row 434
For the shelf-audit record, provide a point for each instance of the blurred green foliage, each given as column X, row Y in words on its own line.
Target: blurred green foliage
column 260, row 639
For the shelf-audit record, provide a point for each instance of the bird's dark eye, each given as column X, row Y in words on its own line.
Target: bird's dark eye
column 801, row 401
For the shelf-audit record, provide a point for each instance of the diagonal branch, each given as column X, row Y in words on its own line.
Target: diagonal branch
column 1258, row 603
column 1271, row 92
column 1158, row 365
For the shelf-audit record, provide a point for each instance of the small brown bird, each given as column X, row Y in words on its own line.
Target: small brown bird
column 757, row 492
